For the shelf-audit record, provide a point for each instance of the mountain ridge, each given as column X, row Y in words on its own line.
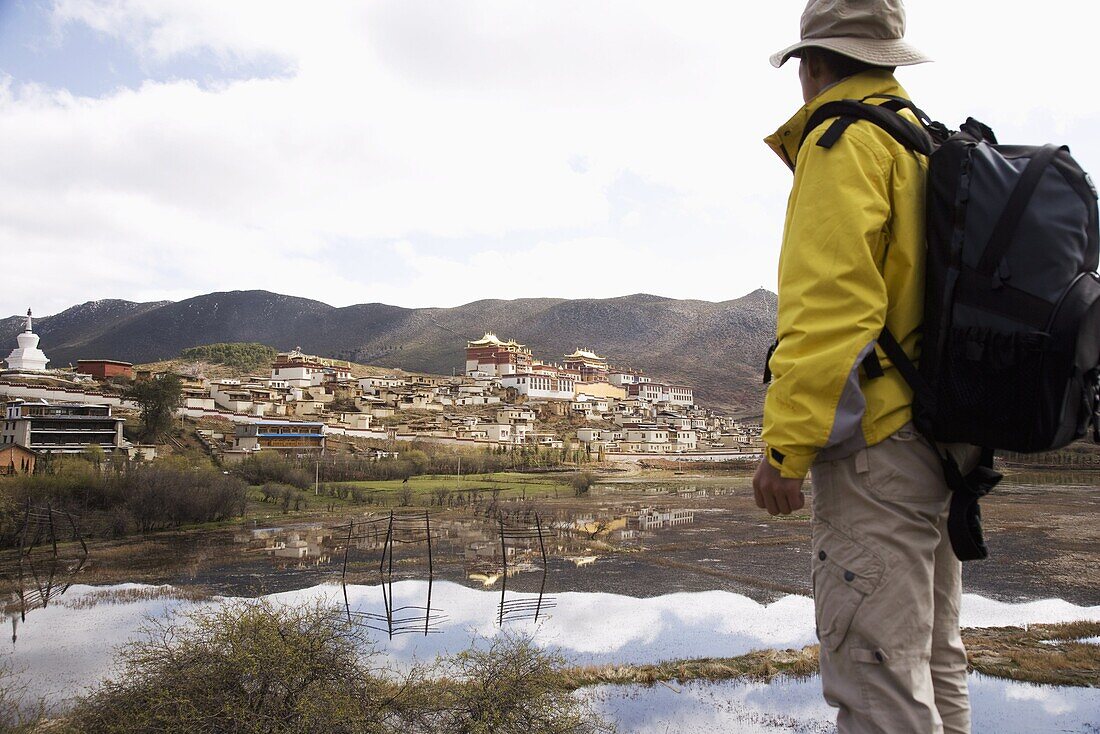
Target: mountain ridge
column 716, row 346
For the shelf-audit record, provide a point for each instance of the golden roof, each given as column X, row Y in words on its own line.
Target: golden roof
column 586, row 354
column 491, row 339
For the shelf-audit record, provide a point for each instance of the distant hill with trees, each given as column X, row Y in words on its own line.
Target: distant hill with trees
column 241, row 355
column 718, row 347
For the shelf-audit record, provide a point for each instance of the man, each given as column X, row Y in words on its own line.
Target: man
column 887, row 586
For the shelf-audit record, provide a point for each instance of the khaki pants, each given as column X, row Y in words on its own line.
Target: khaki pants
column 887, row 590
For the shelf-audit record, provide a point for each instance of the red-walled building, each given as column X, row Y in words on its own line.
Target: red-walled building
column 491, row 356
column 104, row 369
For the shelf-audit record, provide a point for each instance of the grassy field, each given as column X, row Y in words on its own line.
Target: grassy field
column 423, row 491
column 506, row 484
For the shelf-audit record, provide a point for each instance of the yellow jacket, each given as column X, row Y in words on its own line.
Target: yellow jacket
column 852, row 261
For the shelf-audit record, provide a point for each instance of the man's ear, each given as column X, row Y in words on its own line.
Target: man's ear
column 813, row 63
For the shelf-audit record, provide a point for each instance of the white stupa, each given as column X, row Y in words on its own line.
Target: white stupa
column 27, row 357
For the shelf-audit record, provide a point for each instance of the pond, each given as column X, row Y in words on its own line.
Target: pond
column 785, row 705
column 65, row 648
column 641, row 571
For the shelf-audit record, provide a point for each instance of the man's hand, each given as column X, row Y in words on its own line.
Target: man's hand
column 778, row 495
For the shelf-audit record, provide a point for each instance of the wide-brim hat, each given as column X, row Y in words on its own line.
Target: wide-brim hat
column 871, row 31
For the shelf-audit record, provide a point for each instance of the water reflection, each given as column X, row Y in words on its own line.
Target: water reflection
column 40, row 571
column 402, row 620
column 491, row 549
column 518, row 543
column 522, row 608
column 1003, row 706
column 65, row 648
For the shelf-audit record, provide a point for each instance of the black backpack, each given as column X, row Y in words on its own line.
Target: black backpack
column 1010, row 353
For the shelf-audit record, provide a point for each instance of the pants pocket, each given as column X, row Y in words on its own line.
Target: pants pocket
column 844, row 574
column 905, row 468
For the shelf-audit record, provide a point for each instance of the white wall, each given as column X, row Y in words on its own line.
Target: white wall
column 56, row 394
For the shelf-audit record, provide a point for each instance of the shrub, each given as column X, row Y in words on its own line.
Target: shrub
column 133, row 496
column 246, row 667
column 257, row 666
column 513, row 687
column 267, row 467
column 18, row 714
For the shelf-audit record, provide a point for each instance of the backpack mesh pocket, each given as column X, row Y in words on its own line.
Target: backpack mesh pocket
column 993, row 388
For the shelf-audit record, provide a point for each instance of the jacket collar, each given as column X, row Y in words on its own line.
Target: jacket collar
column 786, row 139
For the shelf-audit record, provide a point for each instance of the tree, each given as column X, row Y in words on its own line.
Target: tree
column 405, row 494
column 581, row 482
column 158, row 399
column 93, row 454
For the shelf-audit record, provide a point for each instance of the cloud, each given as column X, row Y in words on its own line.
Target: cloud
column 430, row 153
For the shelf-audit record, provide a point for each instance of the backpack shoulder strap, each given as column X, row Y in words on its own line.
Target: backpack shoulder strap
column 1013, row 213
column 886, row 117
column 964, row 519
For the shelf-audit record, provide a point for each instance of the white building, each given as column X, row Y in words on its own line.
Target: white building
column 358, row 421
column 61, row 427
column 27, row 357
column 673, row 420
column 498, row 432
column 679, row 395
column 656, row 392
column 303, row 370
column 647, row 439
column 513, row 414
column 590, row 435
column 370, row 383
column 540, row 387
column 684, row 439
column 651, row 519
column 622, row 378
column 505, row 432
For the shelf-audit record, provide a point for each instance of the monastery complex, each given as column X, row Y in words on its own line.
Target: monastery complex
column 504, row 396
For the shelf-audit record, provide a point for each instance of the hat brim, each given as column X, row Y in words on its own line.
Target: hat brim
column 875, row 51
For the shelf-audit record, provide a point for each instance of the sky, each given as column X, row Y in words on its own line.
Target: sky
column 433, row 153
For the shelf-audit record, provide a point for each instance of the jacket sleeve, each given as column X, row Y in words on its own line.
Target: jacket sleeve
column 832, row 298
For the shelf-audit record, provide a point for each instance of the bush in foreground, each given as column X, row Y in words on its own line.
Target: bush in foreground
column 263, row 667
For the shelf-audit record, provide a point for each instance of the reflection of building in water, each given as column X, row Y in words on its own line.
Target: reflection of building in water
column 486, row 579
column 487, row 551
column 295, row 546
column 652, row 519
column 38, row 574
column 591, row 525
column 314, row 543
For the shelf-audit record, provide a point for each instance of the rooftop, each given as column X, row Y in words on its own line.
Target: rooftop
column 585, row 354
column 491, row 340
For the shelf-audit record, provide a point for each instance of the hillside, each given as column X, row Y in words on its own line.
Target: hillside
column 717, row 347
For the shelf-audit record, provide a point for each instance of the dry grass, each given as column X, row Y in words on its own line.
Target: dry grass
column 130, row 596
column 1045, row 653
column 759, row 665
